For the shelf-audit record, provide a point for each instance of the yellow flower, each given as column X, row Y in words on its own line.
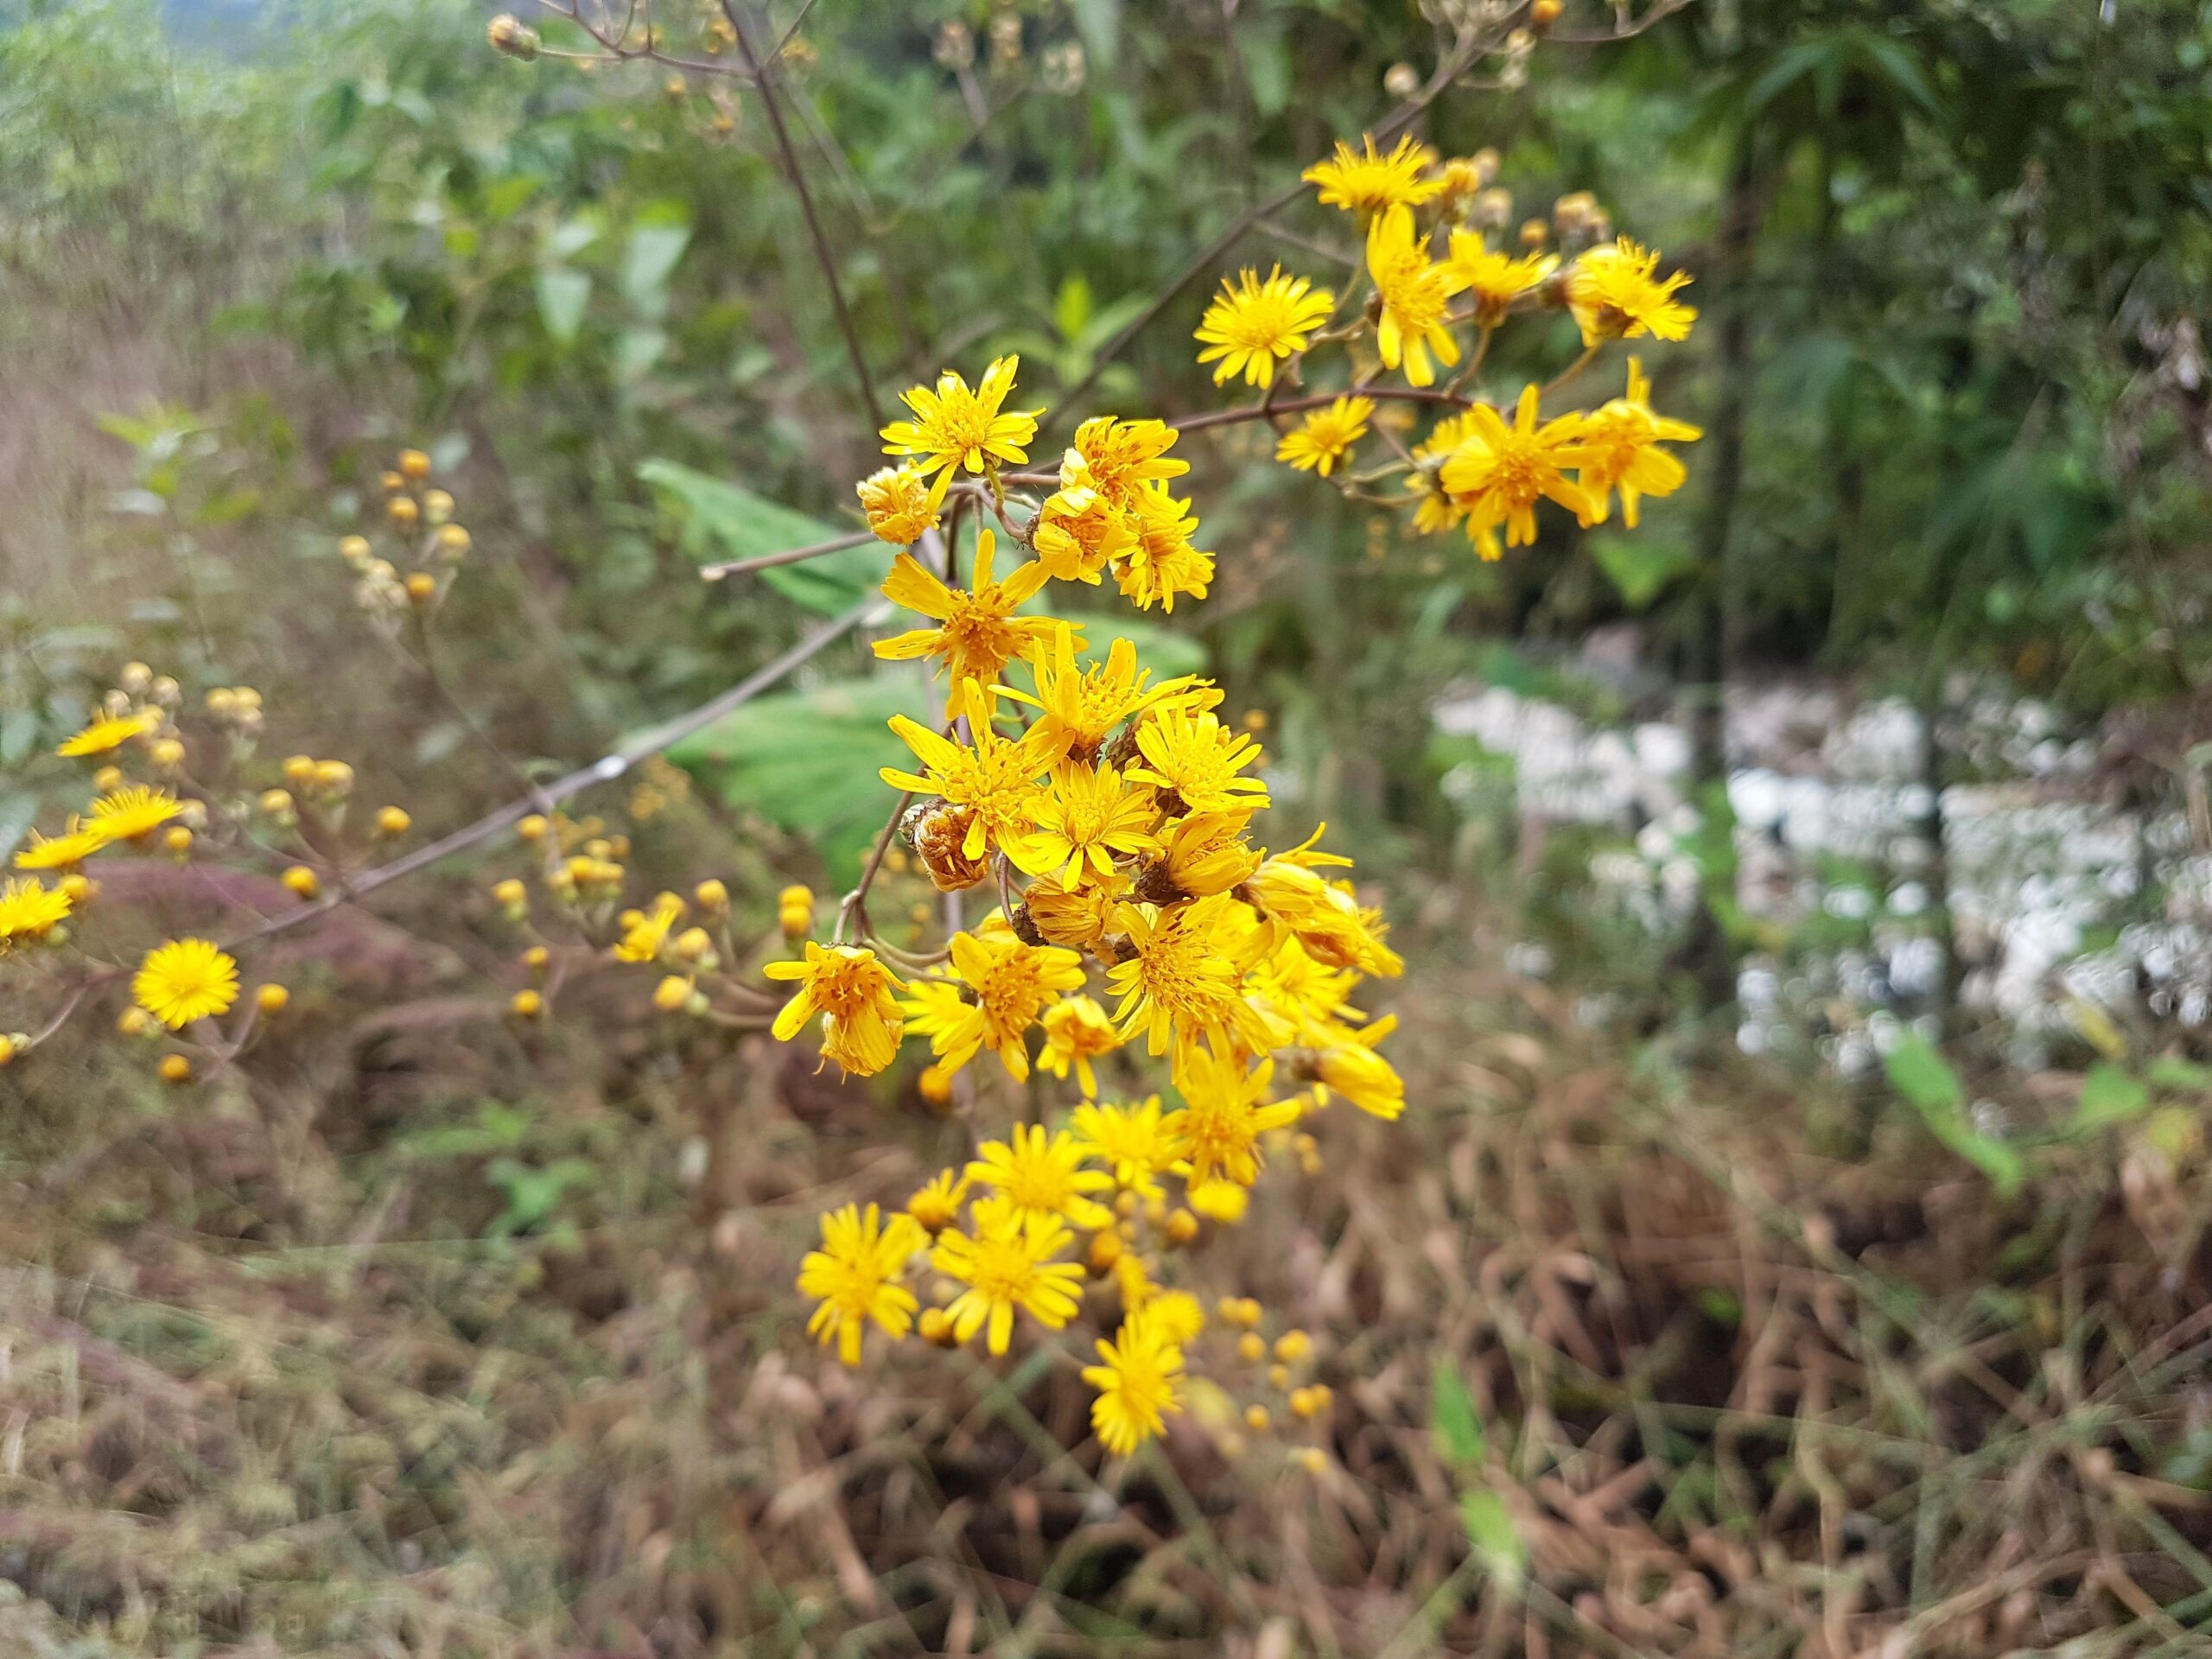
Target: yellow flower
column 1174, row 1314
column 977, row 632
column 1436, row 511
column 642, row 940
column 1368, row 183
column 1042, row 1179
column 1085, row 818
column 996, row 780
column 1326, row 435
column 1498, row 472
column 1079, row 708
column 1325, row 916
column 1198, row 762
column 1177, row 982
column 1132, row 1141
column 1161, row 562
column 1122, row 456
column 126, row 814
column 1076, row 917
column 1077, row 1030
column 1416, row 297
column 1305, row 990
column 1252, row 323
column 1495, row 280
column 857, row 1275
column 1205, row 854
column 1012, row 982
column 1620, row 451
column 955, row 427
column 936, row 1205
column 1224, row 1113
column 1078, row 530
column 1614, row 295
column 107, row 734
column 1136, row 1379
column 185, row 980
column 30, row 909
column 854, row 993
column 899, row 502
column 63, row 852
column 1007, row 1267
column 1353, row 1069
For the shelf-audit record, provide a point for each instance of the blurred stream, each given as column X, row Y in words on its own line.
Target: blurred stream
column 2066, row 907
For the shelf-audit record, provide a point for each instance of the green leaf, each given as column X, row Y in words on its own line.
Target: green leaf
column 1099, row 23
column 2109, row 1095
column 1490, row 1530
column 717, row 519
column 655, row 245
column 2182, row 1076
column 1639, row 566
column 1460, row 1437
column 807, row 761
column 1926, row 1079
column 1072, row 306
column 561, row 295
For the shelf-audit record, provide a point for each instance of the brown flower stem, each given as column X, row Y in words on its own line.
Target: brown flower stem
column 792, row 556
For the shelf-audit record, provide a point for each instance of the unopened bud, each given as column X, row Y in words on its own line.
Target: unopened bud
column 510, row 38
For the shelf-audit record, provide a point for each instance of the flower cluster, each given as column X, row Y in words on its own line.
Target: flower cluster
column 1431, row 293
column 429, row 544
column 1110, row 815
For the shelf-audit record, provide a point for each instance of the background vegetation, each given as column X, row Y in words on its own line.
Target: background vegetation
column 461, row 1341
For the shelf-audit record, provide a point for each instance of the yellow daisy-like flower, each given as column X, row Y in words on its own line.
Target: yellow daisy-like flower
column 644, row 938
column 855, row 996
column 1499, row 472
column 1042, row 1177
column 1077, row 1030
column 1365, row 182
column 899, row 503
column 1176, row 983
column 1136, row 1378
column 1326, row 435
column 1161, row 562
column 996, row 780
column 1078, row 530
column 955, row 428
column 1225, row 1111
column 1133, row 1142
column 63, row 852
column 1076, row 917
column 1079, row 708
column 1495, row 280
column 1251, row 324
column 977, row 632
column 1416, row 298
column 1124, row 456
column 1198, row 762
column 1292, row 899
column 936, row 1205
column 1174, row 1314
column 1353, row 1069
column 857, row 1275
column 1620, row 451
column 1305, row 990
column 107, row 734
column 186, row 980
column 1007, row 1267
column 1086, row 817
column 1013, row 982
column 1436, row 511
column 126, row 814
column 1614, row 294
column 1205, row 854
column 29, row 910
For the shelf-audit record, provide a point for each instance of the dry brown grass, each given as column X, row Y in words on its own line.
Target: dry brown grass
column 268, row 1385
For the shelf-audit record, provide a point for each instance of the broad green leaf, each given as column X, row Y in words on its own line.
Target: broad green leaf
column 807, row 761
column 1496, row 1542
column 650, row 258
column 2109, row 1095
column 717, row 519
column 1640, row 566
column 1451, row 1416
column 561, row 295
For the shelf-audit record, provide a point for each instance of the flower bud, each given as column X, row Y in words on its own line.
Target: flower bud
column 169, row 755
column 510, row 38
column 392, row 821
column 934, row 1326
column 301, row 882
column 175, row 1069
column 278, row 803
column 1401, row 81
column 452, row 541
column 531, row 827
column 333, row 777
column 1251, row 1347
column 177, row 839
column 711, row 896
column 935, row 1085
column 1182, row 1227
column 671, row 994
column 422, row 586
column 272, row 999
column 135, row 679
column 1256, row 1417
column 526, row 1005
column 134, row 1021
column 354, row 549
column 437, row 506
column 402, row 510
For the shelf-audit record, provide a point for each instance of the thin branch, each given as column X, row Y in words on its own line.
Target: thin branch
column 822, row 254
column 790, row 556
column 1261, row 411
